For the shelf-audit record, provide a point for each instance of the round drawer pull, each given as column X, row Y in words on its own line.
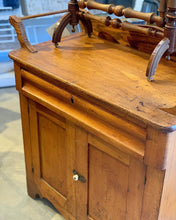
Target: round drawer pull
column 76, row 177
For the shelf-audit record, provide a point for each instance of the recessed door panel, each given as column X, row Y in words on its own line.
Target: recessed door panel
column 108, row 186
column 116, row 183
column 52, row 153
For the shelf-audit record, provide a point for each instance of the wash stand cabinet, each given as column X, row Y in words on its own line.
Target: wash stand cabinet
column 99, row 139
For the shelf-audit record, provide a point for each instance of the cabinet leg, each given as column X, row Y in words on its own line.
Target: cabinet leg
column 32, row 190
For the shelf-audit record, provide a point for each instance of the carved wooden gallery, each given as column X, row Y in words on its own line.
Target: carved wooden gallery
column 98, row 112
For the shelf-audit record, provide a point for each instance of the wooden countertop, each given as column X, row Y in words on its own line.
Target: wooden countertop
column 108, row 73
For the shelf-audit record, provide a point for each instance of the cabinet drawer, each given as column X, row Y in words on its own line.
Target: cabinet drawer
column 123, row 134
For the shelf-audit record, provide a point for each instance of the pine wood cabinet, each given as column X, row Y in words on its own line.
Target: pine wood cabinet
column 99, row 142
column 59, row 148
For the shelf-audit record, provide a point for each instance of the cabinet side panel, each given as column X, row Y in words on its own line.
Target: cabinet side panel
column 152, row 193
column 31, row 186
column 156, row 148
column 108, row 184
column 18, row 80
column 168, row 202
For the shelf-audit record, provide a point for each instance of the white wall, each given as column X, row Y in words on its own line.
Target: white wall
column 138, row 5
column 40, row 6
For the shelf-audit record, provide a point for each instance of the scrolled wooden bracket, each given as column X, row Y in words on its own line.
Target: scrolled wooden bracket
column 156, row 56
column 21, row 34
column 74, row 15
column 64, row 21
column 168, row 42
column 60, row 26
column 17, row 23
column 86, row 23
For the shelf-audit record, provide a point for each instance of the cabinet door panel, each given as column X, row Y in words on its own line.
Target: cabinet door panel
column 53, row 152
column 116, row 185
column 108, row 185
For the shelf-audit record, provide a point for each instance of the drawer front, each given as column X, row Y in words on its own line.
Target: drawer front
column 95, row 118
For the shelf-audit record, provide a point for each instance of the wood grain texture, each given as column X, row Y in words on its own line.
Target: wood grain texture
column 109, row 149
column 21, row 34
column 133, row 39
column 168, row 203
column 128, row 125
column 70, row 157
column 87, row 107
column 18, row 80
column 106, row 202
column 152, row 194
column 31, row 186
column 52, row 149
column 156, row 141
column 137, row 172
column 121, row 65
column 50, row 165
column 107, row 132
column 81, row 164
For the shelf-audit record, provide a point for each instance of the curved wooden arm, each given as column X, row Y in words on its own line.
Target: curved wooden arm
column 21, row 34
column 86, row 22
column 17, row 23
column 156, row 56
column 66, row 19
column 60, row 26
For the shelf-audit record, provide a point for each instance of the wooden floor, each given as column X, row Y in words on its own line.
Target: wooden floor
column 14, row 202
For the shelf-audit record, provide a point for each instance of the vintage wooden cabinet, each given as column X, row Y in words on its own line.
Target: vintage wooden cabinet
column 99, row 139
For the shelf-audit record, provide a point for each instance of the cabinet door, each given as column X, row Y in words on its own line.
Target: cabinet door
column 53, row 153
column 116, row 183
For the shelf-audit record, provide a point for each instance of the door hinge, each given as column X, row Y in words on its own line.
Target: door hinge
column 32, row 169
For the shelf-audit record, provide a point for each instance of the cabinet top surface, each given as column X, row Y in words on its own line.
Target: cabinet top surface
column 109, row 73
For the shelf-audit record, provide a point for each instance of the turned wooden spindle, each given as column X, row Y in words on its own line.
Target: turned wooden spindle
column 125, row 26
column 120, row 10
column 95, row 5
column 162, row 9
column 149, row 17
column 171, row 3
column 170, row 27
column 73, row 8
